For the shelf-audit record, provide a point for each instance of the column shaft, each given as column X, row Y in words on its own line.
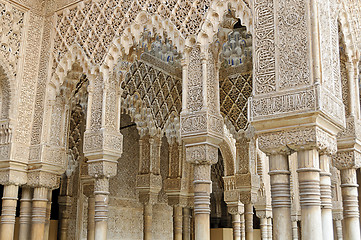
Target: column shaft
column 48, row 212
column 186, row 224
column 148, row 217
column 351, row 222
column 25, row 213
column 91, row 219
column 202, row 188
column 236, row 223
column 269, row 223
column 326, row 198
column 248, row 212
column 338, row 230
column 8, row 211
column 101, row 195
column 294, row 230
column 243, row 228
column 40, row 201
column 281, row 197
column 264, row 228
column 177, row 222
column 310, row 201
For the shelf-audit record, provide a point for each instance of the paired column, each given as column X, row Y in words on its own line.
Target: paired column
column 309, row 185
column 101, row 195
column 281, row 196
column 9, row 200
column 351, row 215
column 177, row 222
column 186, row 223
column 25, row 213
column 326, row 198
column 40, row 202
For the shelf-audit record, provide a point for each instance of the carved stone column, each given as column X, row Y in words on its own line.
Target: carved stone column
column 326, row 198
column 294, row 230
column 149, row 180
column 9, row 200
column 263, row 215
column 91, row 218
column 101, row 196
column 202, row 189
column 269, row 223
column 243, row 228
column 40, row 202
column 337, row 218
column 201, row 127
column 236, row 209
column 64, row 207
column 248, row 213
column 48, row 212
column 281, row 197
column 309, row 184
column 351, row 214
column 177, row 222
column 186, row 223
column 25, row 213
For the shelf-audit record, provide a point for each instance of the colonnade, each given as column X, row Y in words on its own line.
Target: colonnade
column 35, row 209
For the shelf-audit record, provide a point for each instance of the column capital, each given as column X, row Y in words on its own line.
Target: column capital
column 202, row 153
column 294, row 139
column 346, row 159
column 235, row 208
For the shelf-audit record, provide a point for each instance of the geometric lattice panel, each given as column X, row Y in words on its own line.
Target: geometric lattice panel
column 160, row 92
column 234, row 93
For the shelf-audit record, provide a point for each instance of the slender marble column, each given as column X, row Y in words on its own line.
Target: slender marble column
column 269, row 223
column 351, row 222
column 264, row 228
column 281, row 197
column 64, row 205
column 48, row 212
column 326, row 198
column 338, row 229
column 9, row 200
column 243, row 228
column 202, row 188
column 236, row 224
column 310, row 201
column 40, row 201
column 177, row 222
column 25, row 213
column 186, row 223
column 248, row 213
column 294, row 230
column 101, row 195
column 91, row 218
column 147, row 218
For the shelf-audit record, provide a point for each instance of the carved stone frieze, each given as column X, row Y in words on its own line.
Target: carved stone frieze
column 294, row 139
